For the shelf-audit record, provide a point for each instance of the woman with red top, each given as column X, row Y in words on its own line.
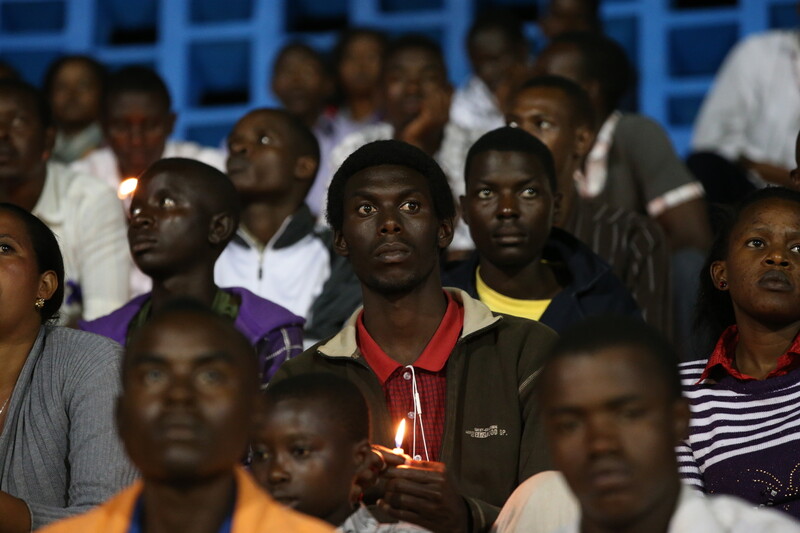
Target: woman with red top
column 745, row 432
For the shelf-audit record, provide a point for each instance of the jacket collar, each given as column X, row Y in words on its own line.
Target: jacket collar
column 295, row 228
column 476, row 318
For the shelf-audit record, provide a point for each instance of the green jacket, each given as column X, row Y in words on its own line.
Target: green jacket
column 492, row 437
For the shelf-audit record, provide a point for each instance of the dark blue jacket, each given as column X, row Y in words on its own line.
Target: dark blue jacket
column 591, row 289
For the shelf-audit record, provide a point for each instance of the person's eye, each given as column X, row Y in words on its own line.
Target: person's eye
column 167, row 202
column 484, row 193
column 410, row 207
column 6, row 248
column 795, row 248
column 153, row 376
column 265, row 140
column 19, row 122
column 365, row 209
column 210, row 377
column 301, row 452
column 135, row 211
column 755, row 243
column 530, row 192
column 544, row 125
column 260, row 453
column 565, row 426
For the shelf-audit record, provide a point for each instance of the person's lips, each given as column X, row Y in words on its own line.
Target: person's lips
column 509, row 235
column 179, row 427
column 236, row 165
column 285, row 499
column 7, row 153
column 142, row 243
column 392, row 252
column 609, row 478
column 775, row 280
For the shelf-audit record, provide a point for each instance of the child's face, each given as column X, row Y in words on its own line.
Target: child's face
column 304, row 459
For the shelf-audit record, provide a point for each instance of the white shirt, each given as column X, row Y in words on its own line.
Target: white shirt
column 291, row 276
column 88, row 221
column 753, row 109
column 475, row 107
column 543, row 504
column 102, row 164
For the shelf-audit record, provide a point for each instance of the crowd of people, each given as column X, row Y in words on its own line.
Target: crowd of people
column 389, row 305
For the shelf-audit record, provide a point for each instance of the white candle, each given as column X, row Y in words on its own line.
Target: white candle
column 398, row 437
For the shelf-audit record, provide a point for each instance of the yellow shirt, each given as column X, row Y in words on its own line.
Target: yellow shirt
column 500, row 303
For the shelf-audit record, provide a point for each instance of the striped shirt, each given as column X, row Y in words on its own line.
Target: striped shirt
column 635, row 247
column 744, row 437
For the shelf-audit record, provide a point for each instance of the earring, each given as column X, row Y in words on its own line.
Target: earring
column 39, row 303
column 723, row 284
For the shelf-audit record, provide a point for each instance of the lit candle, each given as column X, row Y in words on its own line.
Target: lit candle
column 398, row 437
column 126, row 188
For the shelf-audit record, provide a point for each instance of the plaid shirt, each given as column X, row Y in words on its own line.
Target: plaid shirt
column 430, row 372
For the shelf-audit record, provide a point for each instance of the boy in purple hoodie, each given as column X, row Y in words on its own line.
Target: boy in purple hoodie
column 183, row 214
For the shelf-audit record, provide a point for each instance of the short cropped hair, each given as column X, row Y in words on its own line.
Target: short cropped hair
column 509, row 25
column 606, row 332
column 340, row 397
column 390, row 152
column 38, row 99
column 603, row 61
column 98, row 71
column 509, row 139
column 315, row 56
column 237, row 342
column 579, row 102
column 414, row 41
column 137, row 79
column 219, row 192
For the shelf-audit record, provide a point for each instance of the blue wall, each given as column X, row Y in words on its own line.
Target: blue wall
column 215, row 54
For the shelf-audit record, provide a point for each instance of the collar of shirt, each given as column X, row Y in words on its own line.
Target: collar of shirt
column 594, row 179
column 137, row 519
column 723, row 358
column 433, row 357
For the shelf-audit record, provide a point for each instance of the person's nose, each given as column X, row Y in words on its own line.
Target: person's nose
column 278, row 473
column 140, row 217
column 390, row 223
column 776, row 256
column 601, row 436
column 507, row 206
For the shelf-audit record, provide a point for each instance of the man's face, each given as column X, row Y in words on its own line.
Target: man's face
column 137, row 126
column 76, row 93
column 304, row 458
column 410, row 76
column 360, row 66
column 493, row 56
column 260, row 156
column 24, row 141
column 509, row 207
column 545, row 113
column 390, row 231
column 169, row 226
column 612, row 427
column 185, row 409
column 300, row 83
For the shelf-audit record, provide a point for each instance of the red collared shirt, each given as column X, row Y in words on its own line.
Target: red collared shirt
column 723, row 358
column 430, row 373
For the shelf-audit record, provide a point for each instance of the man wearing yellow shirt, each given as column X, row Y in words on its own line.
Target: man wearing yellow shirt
column 522, row 265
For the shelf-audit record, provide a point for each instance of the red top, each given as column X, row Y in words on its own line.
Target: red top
column 724, row 355
column 430, row 373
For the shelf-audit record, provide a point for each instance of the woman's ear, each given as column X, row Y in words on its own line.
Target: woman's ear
column 48, row 283
column 719, row 273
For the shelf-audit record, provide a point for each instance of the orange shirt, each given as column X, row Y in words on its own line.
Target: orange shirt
column 255, row 512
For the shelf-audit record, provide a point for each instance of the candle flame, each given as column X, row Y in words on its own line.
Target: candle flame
column 401, row 433
column 126, row 188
